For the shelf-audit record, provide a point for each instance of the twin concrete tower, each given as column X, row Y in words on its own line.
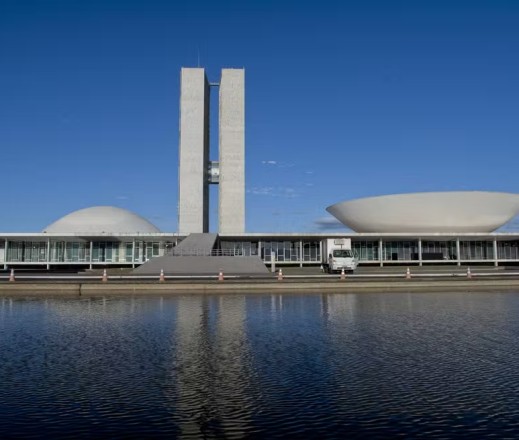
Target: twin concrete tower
column 196, row 170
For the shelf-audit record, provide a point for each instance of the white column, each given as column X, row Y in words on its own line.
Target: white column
column 91, row 253
column 496, row 258
column 380, row 249
column 133, row 253
column 48, row 253
column 458, row 253
column 420, row 251
column 5, row 250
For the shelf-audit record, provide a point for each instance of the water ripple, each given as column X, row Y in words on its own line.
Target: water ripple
column 261, row 366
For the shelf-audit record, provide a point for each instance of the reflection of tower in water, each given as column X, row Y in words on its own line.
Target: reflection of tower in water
column 211, row 375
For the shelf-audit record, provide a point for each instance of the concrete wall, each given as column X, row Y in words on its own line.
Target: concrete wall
column 202, row 265
column 232, row 151
column 193, row 201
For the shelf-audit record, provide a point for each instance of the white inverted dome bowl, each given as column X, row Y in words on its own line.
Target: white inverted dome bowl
column 102, row 219
column 456, row 211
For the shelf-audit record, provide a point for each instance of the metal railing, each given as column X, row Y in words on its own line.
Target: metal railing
column 207, row 253
column 267, row 276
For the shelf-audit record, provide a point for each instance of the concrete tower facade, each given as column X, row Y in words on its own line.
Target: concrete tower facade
column 196, row 171
column 193, row 200
column 232, row 152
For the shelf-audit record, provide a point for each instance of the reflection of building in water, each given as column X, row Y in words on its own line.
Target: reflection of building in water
column 191, row 367
column 234, row 400
column 6, row 306
column 336, row 307
column 211, row 374
column 276, row 304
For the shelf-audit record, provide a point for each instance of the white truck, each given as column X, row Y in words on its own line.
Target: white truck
column 338, row 255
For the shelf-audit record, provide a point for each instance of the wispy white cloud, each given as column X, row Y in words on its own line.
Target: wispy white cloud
column 328, row 223
column 261, row 190
column 122, row 197
column 273, row 191
column 309, row 172
column 277, row 164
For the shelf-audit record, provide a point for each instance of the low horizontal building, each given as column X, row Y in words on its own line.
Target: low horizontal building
column 70, row 250
column 106, row 236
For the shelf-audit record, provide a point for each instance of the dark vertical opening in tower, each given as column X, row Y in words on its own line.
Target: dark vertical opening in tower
column 213, row 154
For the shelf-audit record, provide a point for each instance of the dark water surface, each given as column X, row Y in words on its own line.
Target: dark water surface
column 261, row 366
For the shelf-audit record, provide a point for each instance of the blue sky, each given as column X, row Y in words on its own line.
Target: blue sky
column 343, row 100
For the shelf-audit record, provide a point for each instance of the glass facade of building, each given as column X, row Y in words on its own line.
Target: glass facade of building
column 400, row 250
column 439, row 250
column 476, row 250
column 83, row 251
column 367, row 251
column 285, row 251
column 508, row 250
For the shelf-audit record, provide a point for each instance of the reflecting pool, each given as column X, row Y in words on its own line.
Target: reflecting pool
column 381, row 365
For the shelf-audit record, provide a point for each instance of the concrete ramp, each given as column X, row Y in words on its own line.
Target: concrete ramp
column 196, row 244
column 203, row 265
column 193, row 256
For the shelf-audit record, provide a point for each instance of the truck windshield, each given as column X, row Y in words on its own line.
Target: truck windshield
column 342, row 253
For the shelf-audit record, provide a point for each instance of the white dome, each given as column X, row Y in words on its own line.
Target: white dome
column 457, row 211
column 98, row 219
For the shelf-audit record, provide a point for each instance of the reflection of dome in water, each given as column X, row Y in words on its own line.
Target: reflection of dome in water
column 457, row 211
column 97, row 219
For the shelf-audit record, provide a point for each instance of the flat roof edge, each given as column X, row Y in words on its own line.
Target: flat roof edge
column 258, row 235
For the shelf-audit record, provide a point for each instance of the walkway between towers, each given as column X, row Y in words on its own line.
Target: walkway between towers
column 196, row 255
